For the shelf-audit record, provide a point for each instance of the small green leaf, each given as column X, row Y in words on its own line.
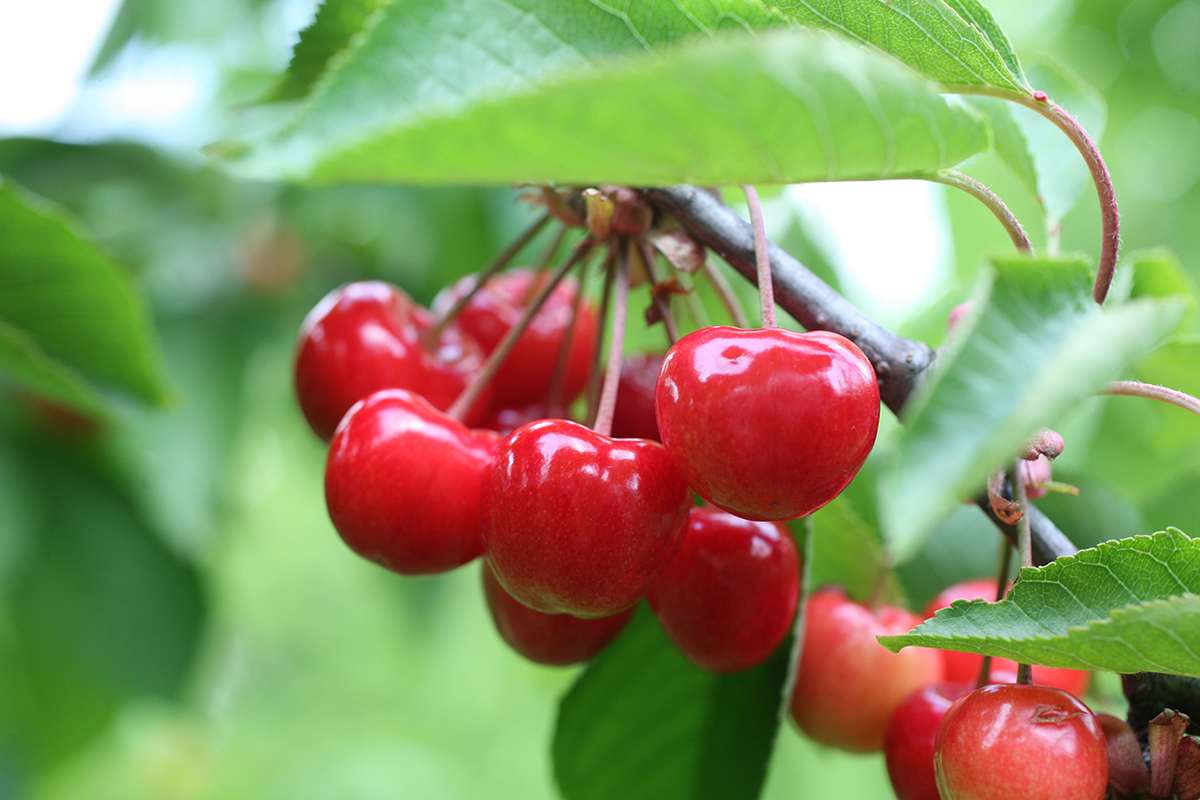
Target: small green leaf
column 1128, row 606
column 1038, row 347
column 642, row 722
column 330, row 33
column 956, row 43
column 64, row 303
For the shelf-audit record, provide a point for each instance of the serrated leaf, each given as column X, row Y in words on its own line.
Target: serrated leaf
column 642, row 722
column 1128, row 606
column 957, row 43
column 65, row 301
column 330, row 33
column 789, row 107
column 1038, row 347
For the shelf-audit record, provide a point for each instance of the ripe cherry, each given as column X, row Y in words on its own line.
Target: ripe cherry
column 965, row 666
column 527, row 373
column 908, row 743
column 553, row 639
column 579, row 522
column 1033, row 742
column 849, row 684
column 767, row 424
column 729, row 596
column 633, row 417
column 366, row 336
column 402, row 484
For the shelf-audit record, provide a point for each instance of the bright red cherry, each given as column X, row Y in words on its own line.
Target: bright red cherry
column 553, row 639
column 908, row 744
column 366, row 336
column 1033, row 742
column 965, row 666
column 767, row 424
column 527, row 373
column 579, row 522
column 633, row 416
column 402, row 484
column 848, row 684
column 729, row 596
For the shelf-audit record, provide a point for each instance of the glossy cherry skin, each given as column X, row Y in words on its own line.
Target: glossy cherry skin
column 579, row 522
column 729, row 596
column 965, row 666
column 767, row 424
column 1033, row 742
column 633, row 416
column 402, row 484
column 551, row 639
column 908, row 744
column 527, row 373
column 366, row 336
column 848, row 684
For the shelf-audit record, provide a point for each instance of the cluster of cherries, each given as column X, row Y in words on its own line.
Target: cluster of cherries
column 449, row 441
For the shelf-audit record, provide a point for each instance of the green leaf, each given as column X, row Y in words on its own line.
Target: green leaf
column 330, row 33
column 1043, row 158
column 956, row 43
column 644, row 722
column 789, row 107
column 847, row 552
column 63, row 300
column 27, row 365
column 1158, row 273
column 1127, row 606
column 1038, row 347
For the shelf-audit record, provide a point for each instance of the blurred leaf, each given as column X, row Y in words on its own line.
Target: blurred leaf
column 1036, row 349
column 31, row 368
column 848, row 552
column 1126, row 606
column 644, row 722
column 64, row 297
column 330, row 33
column 789, row 107
column 162, row 23
column 1158, row 273
column 1045, row 160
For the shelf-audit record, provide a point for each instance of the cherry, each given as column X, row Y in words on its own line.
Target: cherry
column 579, row 522
column 553, row 639
column 1010, row 740
column 506, row 420
column 402, row 484
column 527, row 373
column 849, row 684
column 366, row 336
column 908, row 743
column 633, row 417
column 965, row 666
column 767, row 424
column 728, row 597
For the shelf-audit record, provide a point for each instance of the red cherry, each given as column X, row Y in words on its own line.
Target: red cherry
column 1033, row 742
column 848, row 684
column 527, row 373
column 729, row 596
column 633, row 416
column 402, row 484
column 965, row 666
column 579, row 522
column 553, row 639
column 767, row 424
column 506, row 420
column 908, row 744
column 363, row 337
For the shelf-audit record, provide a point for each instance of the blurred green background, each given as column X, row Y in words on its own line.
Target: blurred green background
column 178, row 618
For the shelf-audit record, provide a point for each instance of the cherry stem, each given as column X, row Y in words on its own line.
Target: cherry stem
column 558, row 382
column 1006, row 551
column 762, row 257
column 728, row 297
column 466, row 400
column 695, row 307
column 616, row 345
column 1025, row 546
column 990, row 199
column 498, row 263
column 1110, row 218
column 647, row 253
column 593, row 391
column 1153, row 392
